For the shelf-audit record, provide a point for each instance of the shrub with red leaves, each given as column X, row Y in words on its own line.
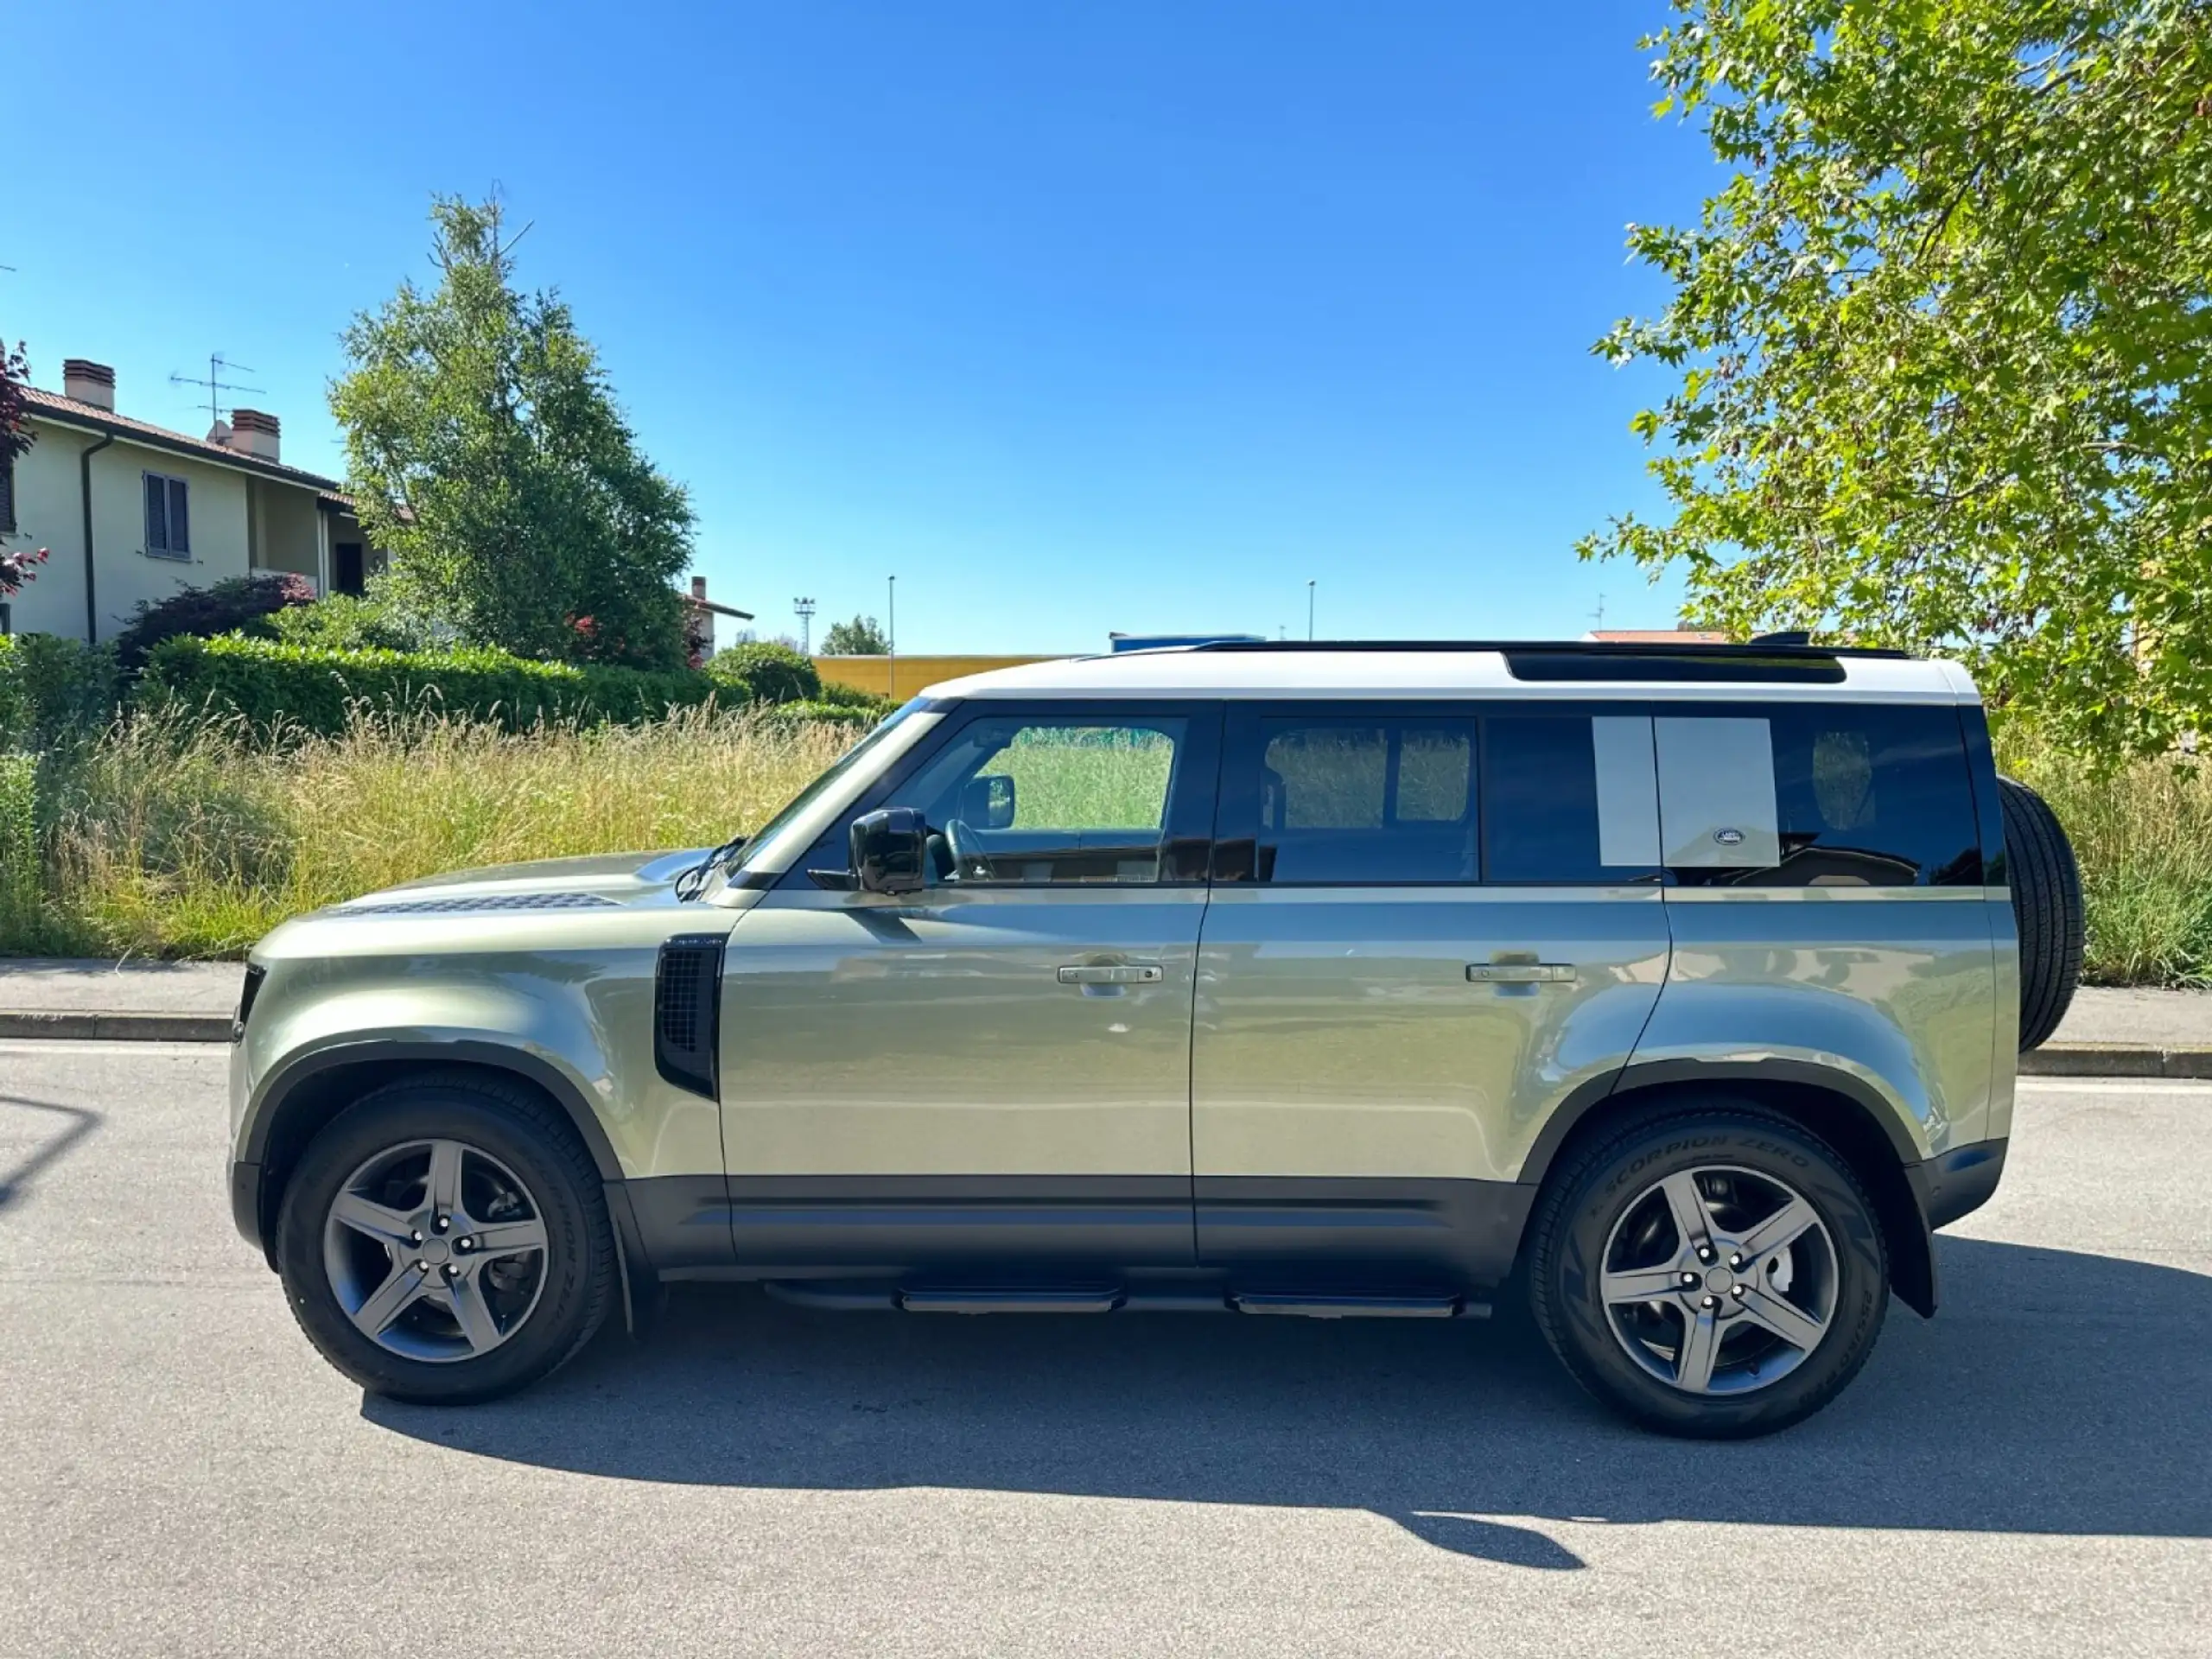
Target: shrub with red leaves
column 16, row 569
column 14, row 375
column 15, row 438
column 239, row 604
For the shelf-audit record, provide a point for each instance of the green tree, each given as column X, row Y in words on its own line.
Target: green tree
column 862, row 637
column 487, row 454
column 1944, row 343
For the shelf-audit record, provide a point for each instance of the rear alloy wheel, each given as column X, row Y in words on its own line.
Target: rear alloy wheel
column 1717, row 1274
column 1719, row 1280
column 447, row 1241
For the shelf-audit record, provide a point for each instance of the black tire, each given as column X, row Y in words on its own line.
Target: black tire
column 1609, row 1176
column 533, row 1140
column 2046, row 908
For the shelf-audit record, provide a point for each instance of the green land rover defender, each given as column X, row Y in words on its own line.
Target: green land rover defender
column 1678, row 989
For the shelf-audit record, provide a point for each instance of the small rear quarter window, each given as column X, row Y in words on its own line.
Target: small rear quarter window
column 1863, row 795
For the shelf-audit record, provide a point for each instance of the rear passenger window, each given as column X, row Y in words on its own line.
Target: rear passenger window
column 1818, row 795
column 1543, row 817
column 1359, row 801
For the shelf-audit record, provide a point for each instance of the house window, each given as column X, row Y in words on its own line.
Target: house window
column 168, row 519
column 6, row 493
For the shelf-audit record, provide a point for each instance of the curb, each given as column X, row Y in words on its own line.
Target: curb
column 2115, row 1061
column 80, row 1028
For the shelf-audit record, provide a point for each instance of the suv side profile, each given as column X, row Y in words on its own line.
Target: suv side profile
column 1678, row 989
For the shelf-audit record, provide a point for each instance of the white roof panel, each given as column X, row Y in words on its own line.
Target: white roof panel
column 1384, row 673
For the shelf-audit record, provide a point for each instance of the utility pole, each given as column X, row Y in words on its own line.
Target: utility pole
column 891, row 640
column 803, row 609
column 1309, row 610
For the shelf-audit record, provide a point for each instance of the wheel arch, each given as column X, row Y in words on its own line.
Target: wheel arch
column 1828, row 1104
column 306, row 1094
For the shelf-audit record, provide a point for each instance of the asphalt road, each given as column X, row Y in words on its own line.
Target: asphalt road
column 2030, row 1473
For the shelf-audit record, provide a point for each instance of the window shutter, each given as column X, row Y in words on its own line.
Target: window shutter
column 158, row 514
column 6, row 493
column 179, row 518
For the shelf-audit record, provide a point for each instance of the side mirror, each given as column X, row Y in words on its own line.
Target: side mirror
column 888, row 849
column 986, row 803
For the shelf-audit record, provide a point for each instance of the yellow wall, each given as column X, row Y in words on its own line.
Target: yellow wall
column 902, row 676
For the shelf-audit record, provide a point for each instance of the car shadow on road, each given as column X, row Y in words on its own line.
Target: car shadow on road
column 2058, row 1393
column 18, row 1173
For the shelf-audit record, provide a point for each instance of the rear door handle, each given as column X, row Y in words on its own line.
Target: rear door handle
column 1116, row 973
column 1521, row 973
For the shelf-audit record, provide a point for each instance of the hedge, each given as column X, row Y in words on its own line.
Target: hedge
column 52, row 687
column 764, row 672
column 271, row 683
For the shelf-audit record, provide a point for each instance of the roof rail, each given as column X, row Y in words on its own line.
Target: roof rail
column 1777, row 648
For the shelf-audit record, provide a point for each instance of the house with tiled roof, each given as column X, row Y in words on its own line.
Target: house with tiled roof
column 130, row 512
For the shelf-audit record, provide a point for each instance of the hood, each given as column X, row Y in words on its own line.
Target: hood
column 617, row 878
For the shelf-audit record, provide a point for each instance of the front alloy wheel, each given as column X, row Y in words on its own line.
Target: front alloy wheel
column 435, row 1250
column 447, row 1239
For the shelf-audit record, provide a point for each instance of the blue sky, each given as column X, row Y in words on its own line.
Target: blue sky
column 1075, row 317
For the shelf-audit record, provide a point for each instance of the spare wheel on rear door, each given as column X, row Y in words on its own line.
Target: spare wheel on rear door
column 2047, row 906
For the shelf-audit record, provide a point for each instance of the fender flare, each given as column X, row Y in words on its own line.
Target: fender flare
column 1897, row 1188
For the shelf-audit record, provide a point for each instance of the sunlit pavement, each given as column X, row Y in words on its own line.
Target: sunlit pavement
column 2029, row 1473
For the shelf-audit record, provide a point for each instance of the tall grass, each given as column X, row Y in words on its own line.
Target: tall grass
column 185, row 837
column 2143, row 836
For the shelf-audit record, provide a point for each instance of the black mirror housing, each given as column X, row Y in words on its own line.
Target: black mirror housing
column 889, row 849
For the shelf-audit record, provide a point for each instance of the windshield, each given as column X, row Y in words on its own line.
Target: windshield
column 763, row 847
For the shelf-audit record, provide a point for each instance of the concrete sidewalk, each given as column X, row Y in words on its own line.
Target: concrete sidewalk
column 157, row 1002
column 2107, row 1033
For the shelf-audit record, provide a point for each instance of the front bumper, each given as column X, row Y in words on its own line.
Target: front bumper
column 245, row 1203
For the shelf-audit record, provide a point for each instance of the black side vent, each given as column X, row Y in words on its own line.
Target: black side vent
column 254, row 975
column 687, row 996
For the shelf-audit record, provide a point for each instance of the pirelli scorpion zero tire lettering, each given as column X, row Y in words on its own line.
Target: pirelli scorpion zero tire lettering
column 2046, row 908
column 1710, row 1273
column 447, row 1241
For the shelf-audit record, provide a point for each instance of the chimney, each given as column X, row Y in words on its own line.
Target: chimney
column 88, row 383
column 699, row 588
column 253, row 433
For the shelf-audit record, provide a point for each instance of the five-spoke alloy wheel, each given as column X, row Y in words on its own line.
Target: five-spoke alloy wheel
column 435, row 1250
column 1709, row 1272
column 447, row 1240
column 1719, row 1280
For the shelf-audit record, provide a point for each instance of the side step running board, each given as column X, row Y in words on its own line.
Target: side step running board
column 1055, row 1300
column 1105, row 1299
column 1363, row 1307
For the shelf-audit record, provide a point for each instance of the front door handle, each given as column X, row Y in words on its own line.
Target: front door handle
column 1115, row 973
column 1521, row 973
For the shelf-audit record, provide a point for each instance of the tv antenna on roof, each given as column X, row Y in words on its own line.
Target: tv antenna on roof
column 218, row 365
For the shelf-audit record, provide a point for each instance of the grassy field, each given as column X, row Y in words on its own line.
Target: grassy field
column 2143, row 836
column 182, row 840
column 176, row 839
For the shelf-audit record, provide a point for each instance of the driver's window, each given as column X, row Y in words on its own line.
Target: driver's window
column 1021, row 799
